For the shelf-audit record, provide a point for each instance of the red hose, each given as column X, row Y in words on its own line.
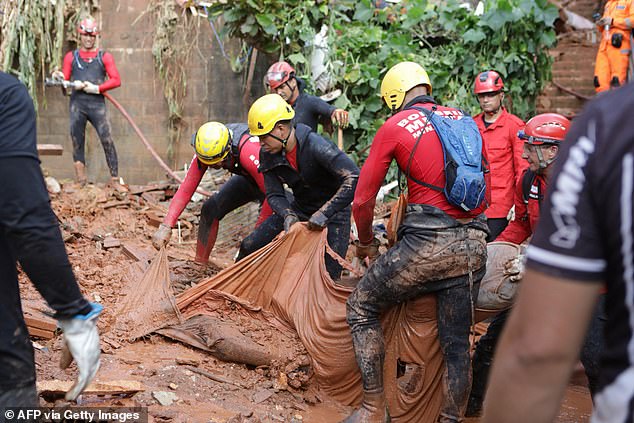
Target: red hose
column 149, row 146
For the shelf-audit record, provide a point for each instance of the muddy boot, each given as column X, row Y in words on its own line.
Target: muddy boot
column 372, row 410
column 117, row 183
column 445, row 418
column 80, row 173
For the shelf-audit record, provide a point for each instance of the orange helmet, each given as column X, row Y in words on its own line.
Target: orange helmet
column 546, row 128
column 88, row 26
column 278, row 73
column 488, row 82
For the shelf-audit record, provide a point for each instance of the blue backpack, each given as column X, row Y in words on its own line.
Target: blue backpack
column 464, row 166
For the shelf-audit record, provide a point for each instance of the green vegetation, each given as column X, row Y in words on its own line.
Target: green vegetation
column 454, row 45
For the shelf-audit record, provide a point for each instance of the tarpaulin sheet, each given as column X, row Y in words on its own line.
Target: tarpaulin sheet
column 288, row 280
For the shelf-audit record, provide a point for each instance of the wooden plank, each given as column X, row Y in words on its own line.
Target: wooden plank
column 137, row 253
column 140, row 189
column 54, row 388
column 43, row 323
column 50, row 149
column 40, row 333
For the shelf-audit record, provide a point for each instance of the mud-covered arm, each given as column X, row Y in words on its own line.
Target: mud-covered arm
column 342, row 168
column 276, row 195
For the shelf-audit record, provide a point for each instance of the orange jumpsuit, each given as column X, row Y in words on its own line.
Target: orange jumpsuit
column 612, row 62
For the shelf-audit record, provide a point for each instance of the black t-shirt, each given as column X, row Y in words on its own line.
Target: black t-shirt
column 586, row 233
column 17, row 126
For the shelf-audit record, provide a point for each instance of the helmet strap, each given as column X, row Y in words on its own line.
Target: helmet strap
column 293, row 89
column 284, row 141
column 543, row 163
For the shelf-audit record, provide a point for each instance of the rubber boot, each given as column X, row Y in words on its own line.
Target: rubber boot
column 203, row 248
column 372, row 409
column 80, row 173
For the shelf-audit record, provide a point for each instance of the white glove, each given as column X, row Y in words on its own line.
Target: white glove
column 58, row 75
column 511, row 214
column 81, row 340
column 91, row 88
column 514, row 268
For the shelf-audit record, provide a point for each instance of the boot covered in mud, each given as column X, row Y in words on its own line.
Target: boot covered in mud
column 80, row 173
column 117, row 183
column 372, row 410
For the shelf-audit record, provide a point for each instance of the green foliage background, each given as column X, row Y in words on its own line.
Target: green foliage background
column 452, row 44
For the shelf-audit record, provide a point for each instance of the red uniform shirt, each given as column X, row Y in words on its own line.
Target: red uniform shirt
column 113, row 81
column 504, row 152
column 249, row 161
column 526, row 215
column 395, row 140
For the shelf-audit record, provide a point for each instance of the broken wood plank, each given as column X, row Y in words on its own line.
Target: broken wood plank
column 55, row 388
column 44, row 323
column 136, row 253
column 40, row 333
column 116, row 203
column 140, row 189
column 50, row 149
column 214, row 377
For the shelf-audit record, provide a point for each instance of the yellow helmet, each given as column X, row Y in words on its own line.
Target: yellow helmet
column 399, row 80
column 212, row 142
column 266, row 112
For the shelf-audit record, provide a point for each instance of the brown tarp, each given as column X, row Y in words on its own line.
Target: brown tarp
column 286, row 284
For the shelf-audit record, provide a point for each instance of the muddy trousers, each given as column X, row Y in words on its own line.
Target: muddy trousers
column 18, row 397
column 234, row 193
column 423, row 261
column 92, row 110
column 485, row 350
column 338, row 237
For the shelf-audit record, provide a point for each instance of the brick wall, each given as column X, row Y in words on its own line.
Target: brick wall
column 214, row 92
column 573, row 66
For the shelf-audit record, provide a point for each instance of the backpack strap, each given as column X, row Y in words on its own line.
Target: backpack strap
column 100, row 57
column 428, row 114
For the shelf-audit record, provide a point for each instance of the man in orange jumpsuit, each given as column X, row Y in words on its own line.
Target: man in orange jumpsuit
column 614, row 52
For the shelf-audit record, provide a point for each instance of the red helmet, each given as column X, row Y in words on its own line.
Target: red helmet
column 278, row 73
column 88, row 26
column 547, row 128
column 488, row 82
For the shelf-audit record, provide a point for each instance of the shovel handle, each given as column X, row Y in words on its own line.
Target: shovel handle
column 340, row 137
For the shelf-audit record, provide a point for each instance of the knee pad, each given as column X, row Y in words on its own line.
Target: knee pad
column 596, row 82
column 614, row 82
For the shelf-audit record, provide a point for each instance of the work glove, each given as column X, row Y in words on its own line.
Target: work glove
column 510, row 216
column 317, row 221
column 370, row 250
column 162, row 236
column 91, row 88
column 340, row 118
column 605, row 21
column 58, row 75
column 289, row 221
column 81, row 342
column 514, row 268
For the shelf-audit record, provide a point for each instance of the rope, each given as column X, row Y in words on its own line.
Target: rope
column 160, row 161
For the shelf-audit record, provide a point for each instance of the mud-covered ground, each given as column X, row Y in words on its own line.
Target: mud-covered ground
column 100, row 230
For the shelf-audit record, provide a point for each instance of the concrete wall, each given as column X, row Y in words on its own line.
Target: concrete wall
column 214, row 92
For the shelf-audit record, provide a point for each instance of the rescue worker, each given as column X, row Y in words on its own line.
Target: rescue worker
column 30, row 235
column 542, row 137
column 441, row 248
column 499, row 130
column 504, row 149
column 229, row 147
column 309, row 110
column 91, row 65
column 583, row 242
column 613, row 57
column 321, row 177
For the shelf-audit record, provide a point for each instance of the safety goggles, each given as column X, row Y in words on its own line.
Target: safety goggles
column 275, row 79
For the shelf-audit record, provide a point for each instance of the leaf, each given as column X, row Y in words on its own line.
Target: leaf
column 266, row 21
column 364, row 11
column 473, row 36
column 296, row 58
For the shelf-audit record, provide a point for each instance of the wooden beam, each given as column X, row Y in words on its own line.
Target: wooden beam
column 55, row 388
column 50, row 149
